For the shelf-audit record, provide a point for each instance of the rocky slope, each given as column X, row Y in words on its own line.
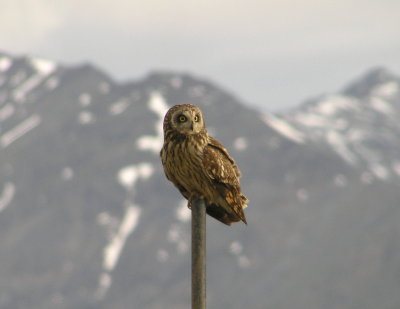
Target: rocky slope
column 88, row 220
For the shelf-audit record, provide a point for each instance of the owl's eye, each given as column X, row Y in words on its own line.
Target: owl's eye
column 182, row 118
column 196, row 118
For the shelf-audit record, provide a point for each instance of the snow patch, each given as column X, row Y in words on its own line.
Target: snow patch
column 176, row 236
column 344, row 124
column 119, row 231
column 6, row 111
column 381, row 106
column 43, row 69
column 85, row 117
column 105, row 281
column 332, row 104
column 85, row 99
column 128, row 175
column 183, row 213
column 340, row 146
column 311, row 120
column 236, row 248
column 379, row 171
column 5, row 63
column 20, row 93
column 20, row 130
column 113, row 250
column 158, row 105
column 67, row 173
column 7, row 195
column 284, row 128
column 240, row 144
column 118, row 107
column 173, row 234
column 388, row 89
column 43, row 66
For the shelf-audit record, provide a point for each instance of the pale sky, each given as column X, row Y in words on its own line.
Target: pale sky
column 271, row 54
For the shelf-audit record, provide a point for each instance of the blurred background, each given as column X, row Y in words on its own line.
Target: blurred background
column 304, row 94
column 273, row 54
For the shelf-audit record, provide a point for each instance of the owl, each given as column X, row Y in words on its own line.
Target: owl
column 199, row 166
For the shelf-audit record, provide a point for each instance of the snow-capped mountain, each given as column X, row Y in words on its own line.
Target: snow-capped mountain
column 88, row 220
column 361, row 124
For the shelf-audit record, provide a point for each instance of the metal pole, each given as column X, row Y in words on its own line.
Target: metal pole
column 198, row 254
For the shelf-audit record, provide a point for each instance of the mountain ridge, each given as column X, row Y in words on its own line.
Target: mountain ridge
column 88, row 220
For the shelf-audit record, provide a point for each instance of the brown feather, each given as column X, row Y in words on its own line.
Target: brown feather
column 200, row 166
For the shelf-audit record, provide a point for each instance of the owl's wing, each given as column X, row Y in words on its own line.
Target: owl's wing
column 219, row 164
column 223, row 171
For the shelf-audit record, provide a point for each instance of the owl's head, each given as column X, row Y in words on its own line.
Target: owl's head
column 185, row 119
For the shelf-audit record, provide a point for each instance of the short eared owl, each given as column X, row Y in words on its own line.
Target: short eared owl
column 199, row 166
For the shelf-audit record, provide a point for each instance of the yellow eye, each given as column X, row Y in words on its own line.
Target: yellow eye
column 196, row 118
column 182, row 118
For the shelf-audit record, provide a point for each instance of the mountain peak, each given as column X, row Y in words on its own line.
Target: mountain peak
column 360, row 123
column 82, row 188
column 364, row 86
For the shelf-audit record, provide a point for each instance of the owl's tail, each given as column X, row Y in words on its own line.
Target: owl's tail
column 232, row 209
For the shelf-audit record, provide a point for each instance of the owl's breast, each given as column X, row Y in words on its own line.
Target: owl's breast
column 183, row 165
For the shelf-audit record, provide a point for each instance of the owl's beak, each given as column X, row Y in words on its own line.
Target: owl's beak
column 192, row 126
